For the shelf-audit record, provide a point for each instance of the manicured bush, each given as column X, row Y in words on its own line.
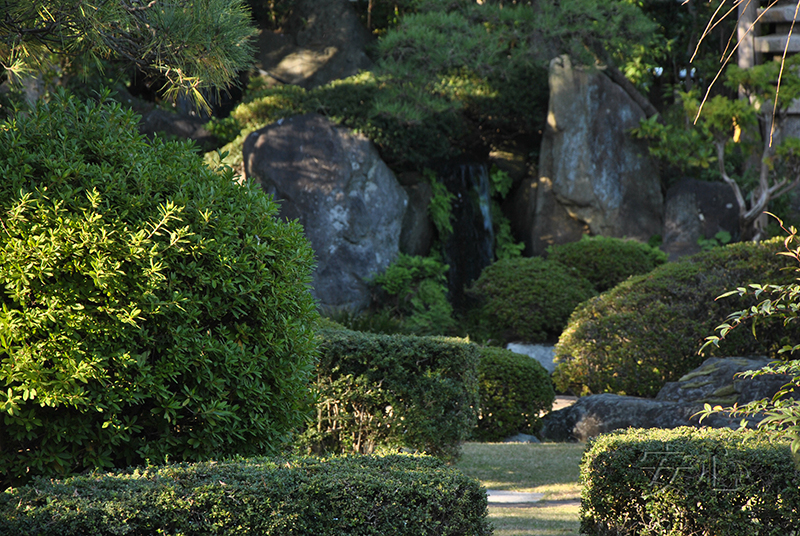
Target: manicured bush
column 529, row 299
column 514, row 390
column 647, row 331
column 381, row 392
column 399, row 495
column 607, row 261
column 689, row 481
column 152, row 307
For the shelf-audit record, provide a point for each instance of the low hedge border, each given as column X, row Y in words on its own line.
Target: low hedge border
column 378, row 393
column 360, row 495
column 689, row 481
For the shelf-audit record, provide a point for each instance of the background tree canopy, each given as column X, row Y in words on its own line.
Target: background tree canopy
column 191, row 44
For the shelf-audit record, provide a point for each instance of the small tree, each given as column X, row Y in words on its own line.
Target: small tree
column 781, row 413
column 192, row 44
column 731, row 129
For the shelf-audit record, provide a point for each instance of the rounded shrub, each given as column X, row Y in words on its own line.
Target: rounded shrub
column 514, row 390
column 647, row 331
column 607, row 261
column 529, row 299
column 152, row 307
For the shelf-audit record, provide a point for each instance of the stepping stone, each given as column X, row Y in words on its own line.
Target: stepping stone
column 512, row 497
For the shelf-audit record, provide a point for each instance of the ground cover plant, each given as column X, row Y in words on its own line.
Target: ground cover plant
column 648, row 330
column 358, row 495
column 151, row 306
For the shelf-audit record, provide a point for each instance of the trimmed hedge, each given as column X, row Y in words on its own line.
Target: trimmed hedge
column 529, row 299
column 398, row 495
column 382, row 392
column 514, row 390
column 607, row 261
column 151, row 306
column 689, row 481
column 647, row 330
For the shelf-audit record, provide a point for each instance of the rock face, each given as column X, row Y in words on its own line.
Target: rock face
column 697, row 209
column 348, row 201
column 417, row 235
column 713, row 382
column 592, row 175
column 327, row 43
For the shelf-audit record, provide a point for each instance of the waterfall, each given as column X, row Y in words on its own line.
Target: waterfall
column 470, row 248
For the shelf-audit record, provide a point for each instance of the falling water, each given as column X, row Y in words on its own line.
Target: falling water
column 470, row 248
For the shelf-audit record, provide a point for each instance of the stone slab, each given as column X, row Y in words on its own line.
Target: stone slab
column 512, row 497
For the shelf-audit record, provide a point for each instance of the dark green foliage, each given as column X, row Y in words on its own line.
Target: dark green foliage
column 379, row 392
column 689, row 481
column 417, row 290
column 514, row 389
column 607, row 261
column 151, row 307
column 529, row 299
column 398, row 495
column 647, row 331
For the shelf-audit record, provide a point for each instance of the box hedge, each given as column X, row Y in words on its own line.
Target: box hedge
column 689, row 481
column 151, row 306
column 647, row 330
column 528, row 299
column 514, row 390
column 382, row 392
column 398, row 495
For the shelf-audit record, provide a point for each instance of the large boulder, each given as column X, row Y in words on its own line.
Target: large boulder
column 593, row 176
column 348, row 201
column 714, row 382
column 697, row 209
column 326, row 42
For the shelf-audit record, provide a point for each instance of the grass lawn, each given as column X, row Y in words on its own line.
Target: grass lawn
column 549, row 468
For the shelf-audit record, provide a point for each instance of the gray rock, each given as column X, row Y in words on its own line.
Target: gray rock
column 592, row 175
column 543, row 353
column 714, row 383
column 347, row 199
column 593, row 415
column 676, row 404
column 172, row 125
column 697, row 209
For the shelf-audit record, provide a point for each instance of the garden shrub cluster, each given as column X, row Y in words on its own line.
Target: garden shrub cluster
column 398, row 494
column 529, row 299
column 514, row 390
column 383, row 392
column 647, row 331
column 151, row 307
column 417, row 294
column 607, row 261
column 689, row 481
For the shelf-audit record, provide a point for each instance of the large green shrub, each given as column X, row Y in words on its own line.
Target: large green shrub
column 689, row 481
column 151, row 307
column 514, row 390
column 529, row 299
column 648, row 330
column 357, row 495
column 381, row 392
column 607, row 261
